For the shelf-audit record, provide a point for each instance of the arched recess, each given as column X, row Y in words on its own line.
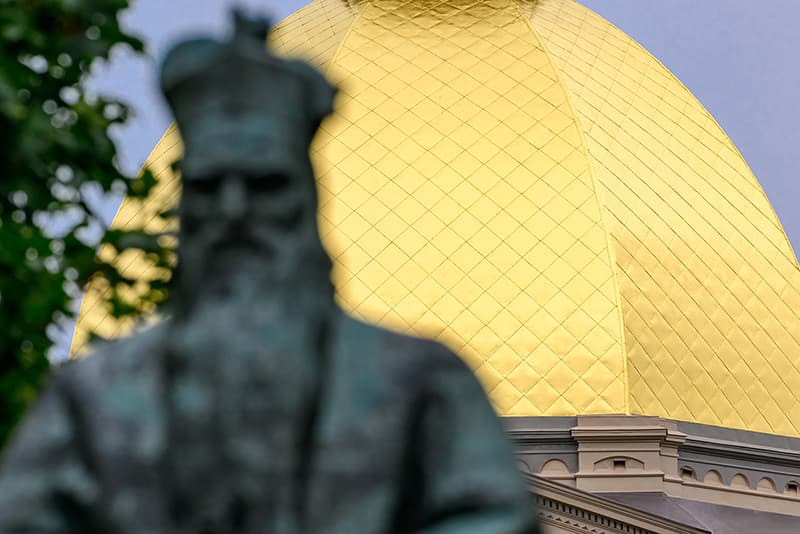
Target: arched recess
column 523, row 466
column 741, row 481
column 688, row 474
column 619, row 463
column 766, row 484
column 713, row 478
column 554, row 466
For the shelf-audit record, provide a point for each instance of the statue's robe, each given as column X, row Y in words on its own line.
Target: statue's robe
column 402, row 439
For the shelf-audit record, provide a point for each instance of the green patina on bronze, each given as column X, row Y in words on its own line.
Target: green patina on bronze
column 259, row 406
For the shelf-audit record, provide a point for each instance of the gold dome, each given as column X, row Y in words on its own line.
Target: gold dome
column 524, row 182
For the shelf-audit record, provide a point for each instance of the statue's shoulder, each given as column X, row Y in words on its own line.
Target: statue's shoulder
column 110, row 360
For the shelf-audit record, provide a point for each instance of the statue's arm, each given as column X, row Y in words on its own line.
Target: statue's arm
column 471, row 480
column 44, row 485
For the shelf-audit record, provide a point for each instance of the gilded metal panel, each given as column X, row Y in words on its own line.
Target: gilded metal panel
column 315, row 32
column 457, row 200
column 709, row 282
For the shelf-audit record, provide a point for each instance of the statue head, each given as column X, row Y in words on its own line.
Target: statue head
column 247, row 118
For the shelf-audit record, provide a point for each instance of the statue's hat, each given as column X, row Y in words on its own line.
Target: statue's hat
column 239, row 107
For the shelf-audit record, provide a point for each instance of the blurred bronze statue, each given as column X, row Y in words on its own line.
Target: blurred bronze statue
column 259, row 406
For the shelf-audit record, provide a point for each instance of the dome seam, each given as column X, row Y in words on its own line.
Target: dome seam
column 754, row 181
column 600, row 205
column 356, row 19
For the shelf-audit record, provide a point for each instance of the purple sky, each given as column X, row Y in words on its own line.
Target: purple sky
column 739, row 57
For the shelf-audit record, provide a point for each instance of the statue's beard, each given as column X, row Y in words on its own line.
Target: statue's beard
column 220, row 268
column 246, row 320
column 249, row 317
column 257, row 289
column 244, row 379
column 237, row 273
column 233, row 273
column 246, row 353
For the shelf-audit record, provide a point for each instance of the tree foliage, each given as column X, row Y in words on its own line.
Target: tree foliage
column 55, row 152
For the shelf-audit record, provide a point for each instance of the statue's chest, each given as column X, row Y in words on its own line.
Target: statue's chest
column 121, row 431
column 362, row 447
column 199, row 438
column 126, row 421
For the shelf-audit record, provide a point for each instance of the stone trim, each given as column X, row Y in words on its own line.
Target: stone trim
column 538, row 438
column 574, row 510
column 619, row 453
column 771, row 456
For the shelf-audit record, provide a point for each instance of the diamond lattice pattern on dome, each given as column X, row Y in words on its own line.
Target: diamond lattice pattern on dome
column 315, row 32
column 708, row 279
column 457, row 201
